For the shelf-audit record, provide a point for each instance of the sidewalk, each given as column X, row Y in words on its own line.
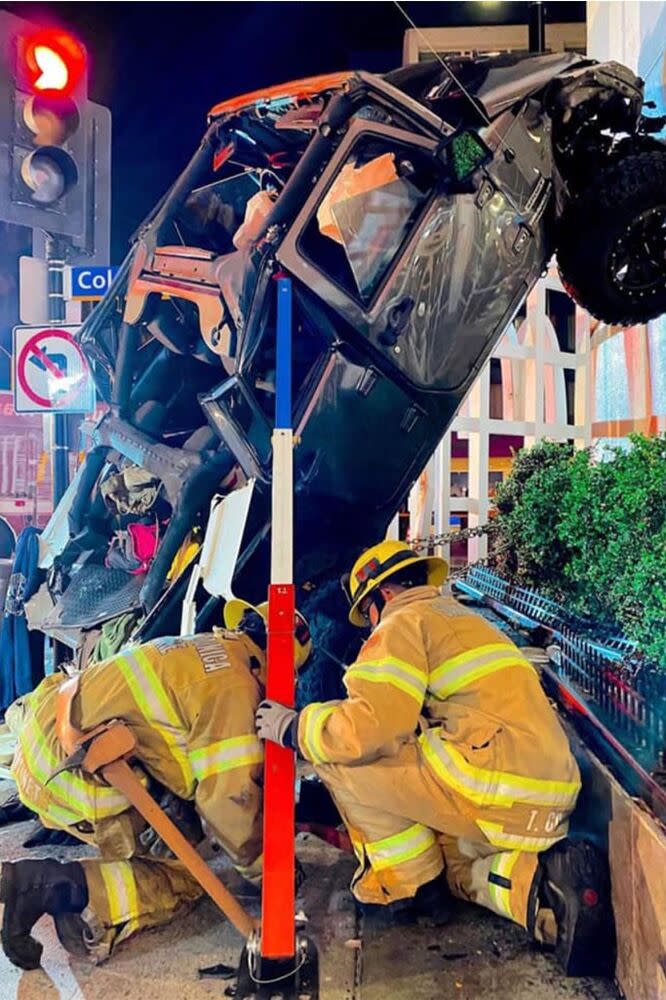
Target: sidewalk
column 477, row 956
column 164, row 963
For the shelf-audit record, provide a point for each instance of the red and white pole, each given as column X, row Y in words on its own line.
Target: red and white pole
column 278, row 898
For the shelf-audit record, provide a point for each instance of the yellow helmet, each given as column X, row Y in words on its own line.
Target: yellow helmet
column 380, row 562
column 235, row 608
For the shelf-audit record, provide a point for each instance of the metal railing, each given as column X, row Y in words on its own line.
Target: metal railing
column 628, row 693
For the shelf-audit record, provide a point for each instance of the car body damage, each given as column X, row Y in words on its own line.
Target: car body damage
column 414, row 212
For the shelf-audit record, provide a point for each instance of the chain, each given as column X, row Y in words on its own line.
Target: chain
column 432, row 541
column 419, row 544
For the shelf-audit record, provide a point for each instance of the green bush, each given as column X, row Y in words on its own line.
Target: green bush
column 527, row 547
column 591, row 534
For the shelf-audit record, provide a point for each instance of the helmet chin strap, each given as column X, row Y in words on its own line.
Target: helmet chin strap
column 378, row 599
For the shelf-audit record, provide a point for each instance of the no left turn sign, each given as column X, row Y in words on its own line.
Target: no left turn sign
column 51, row 374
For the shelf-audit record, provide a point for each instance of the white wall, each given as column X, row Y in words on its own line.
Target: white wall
column 631, row 32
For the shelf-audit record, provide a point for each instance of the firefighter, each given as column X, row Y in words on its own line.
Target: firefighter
column 190, row 703
column 446, row 757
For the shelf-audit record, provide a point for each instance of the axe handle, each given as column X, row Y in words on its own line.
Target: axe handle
column 120, row 775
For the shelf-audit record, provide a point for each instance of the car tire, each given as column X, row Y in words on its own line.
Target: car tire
column 611, row 246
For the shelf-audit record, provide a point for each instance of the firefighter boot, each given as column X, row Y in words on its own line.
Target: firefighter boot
column 30, row 888
column 434, row 901
column 572, row 883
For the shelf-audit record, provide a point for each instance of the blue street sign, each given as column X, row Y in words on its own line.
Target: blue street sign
column 91, row 283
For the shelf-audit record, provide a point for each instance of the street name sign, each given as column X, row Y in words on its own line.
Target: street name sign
column 89, row 284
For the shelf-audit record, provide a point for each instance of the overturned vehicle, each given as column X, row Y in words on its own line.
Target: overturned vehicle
column 413, row 213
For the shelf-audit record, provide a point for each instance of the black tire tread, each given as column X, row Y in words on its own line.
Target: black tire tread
column 585, row 235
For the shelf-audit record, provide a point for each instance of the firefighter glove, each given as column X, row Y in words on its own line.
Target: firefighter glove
column 184, row 815
column 278, row 723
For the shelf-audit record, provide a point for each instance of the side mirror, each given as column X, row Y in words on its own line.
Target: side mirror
column 465, row 152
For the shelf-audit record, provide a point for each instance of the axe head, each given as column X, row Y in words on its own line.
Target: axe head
column 70, row 763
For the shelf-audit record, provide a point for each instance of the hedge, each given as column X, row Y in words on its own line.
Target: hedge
column 591, row 534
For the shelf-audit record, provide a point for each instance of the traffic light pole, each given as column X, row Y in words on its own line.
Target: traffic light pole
column 55, row 266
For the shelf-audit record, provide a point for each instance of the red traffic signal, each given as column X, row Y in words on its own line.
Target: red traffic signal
column 52, row 62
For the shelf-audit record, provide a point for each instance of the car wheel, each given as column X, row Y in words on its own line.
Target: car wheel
column 612, row 241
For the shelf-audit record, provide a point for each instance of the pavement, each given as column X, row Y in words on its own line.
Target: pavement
column 476, row 956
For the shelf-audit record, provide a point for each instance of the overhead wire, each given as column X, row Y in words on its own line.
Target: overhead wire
column 659, row 56
column 476, row 105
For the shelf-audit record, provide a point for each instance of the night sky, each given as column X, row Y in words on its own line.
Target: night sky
column 160, row 67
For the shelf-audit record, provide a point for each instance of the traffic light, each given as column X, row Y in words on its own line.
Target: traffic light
column 54, row 142
column 50, row 68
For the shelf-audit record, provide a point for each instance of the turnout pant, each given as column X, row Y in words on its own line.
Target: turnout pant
column 131, row 895
column 406, row 828
column 126, row 896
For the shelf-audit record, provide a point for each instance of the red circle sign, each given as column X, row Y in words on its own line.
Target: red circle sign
column 32, row 347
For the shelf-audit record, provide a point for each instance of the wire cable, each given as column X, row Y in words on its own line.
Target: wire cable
column 656, row 60
column 475, row 104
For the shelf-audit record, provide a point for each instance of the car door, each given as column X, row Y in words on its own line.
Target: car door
column 427, row 268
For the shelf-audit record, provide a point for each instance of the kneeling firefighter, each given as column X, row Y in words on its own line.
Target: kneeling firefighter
column 447, row 756
column 190, row 704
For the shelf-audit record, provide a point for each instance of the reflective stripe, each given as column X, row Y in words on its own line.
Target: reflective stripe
column 151, row 698
column 225, row 755
column 316, row 716
column 491, row 788
column 500, row 896
column 62, row 817
column 390, row 670
column 90, row 800
column 121, row 891
column 400, row 847
column 464, row 669
column 253, row 872
column 494, row 833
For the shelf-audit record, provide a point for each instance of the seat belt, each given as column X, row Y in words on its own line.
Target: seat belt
column 106, row 750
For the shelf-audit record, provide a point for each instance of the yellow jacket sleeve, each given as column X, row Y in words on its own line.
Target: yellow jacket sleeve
column 386, row 687
column 226, row 757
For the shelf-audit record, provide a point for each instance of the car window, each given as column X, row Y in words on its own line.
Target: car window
column 212, row 214
column 367, row 213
